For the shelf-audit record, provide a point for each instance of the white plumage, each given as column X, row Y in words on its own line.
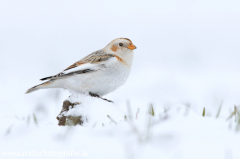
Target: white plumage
column 100, row 72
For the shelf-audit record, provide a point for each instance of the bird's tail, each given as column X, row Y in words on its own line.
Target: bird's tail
column 40, row 86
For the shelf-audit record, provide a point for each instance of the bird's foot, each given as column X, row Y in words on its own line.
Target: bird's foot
column 95, row 95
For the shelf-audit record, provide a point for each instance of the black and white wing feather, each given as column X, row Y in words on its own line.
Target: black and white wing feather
column 90, row 63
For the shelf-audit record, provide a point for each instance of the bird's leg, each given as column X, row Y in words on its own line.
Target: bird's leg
column 95, row 95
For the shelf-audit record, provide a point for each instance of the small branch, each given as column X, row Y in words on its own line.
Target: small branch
column 112, row 119
column 94, row 124
column 129, row 111
column 35, row 119
column 138, row 110
column 219, row 110
column 233, row 113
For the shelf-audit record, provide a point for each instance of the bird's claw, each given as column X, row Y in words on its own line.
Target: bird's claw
column 96, row 95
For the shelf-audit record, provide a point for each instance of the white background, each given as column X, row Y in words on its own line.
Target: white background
column 187, row 52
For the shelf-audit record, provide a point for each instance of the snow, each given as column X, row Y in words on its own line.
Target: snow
column 176, row 134
column 187, row 58
column 94, row 109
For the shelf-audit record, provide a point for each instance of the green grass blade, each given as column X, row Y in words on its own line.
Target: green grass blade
column 203, row 114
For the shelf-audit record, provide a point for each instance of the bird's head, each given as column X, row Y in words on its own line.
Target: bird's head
column 119, row 46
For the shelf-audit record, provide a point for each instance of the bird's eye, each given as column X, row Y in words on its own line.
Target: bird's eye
column 120, row 44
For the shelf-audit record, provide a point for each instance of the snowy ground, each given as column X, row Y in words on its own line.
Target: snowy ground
column 174, row 132
column 187, row 58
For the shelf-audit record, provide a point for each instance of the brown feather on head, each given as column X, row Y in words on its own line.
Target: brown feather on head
column 114, row 48
column 128, row 40
column 120, row 44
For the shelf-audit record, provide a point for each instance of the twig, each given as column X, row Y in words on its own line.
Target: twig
column 187, row 109
column 94, row 124
column 233, row 113
column 35, row 119
column 238, row 121
column 28, row 119
column 129, row 119
column 219, row 110
column 129, row 111
column 9, row 130
column 112, row 119
column 138, row 110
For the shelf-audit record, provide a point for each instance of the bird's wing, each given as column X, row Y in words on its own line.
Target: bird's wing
column 94, row 58
column 90, row 63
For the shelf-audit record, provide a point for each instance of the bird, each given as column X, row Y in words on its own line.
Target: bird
column 98, row 74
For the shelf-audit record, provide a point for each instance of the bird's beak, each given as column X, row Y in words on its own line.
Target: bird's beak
column 132, row 47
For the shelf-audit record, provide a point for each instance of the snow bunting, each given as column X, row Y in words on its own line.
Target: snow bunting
column 99, row 73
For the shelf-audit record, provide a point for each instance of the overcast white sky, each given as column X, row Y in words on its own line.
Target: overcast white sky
column 188, row 51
